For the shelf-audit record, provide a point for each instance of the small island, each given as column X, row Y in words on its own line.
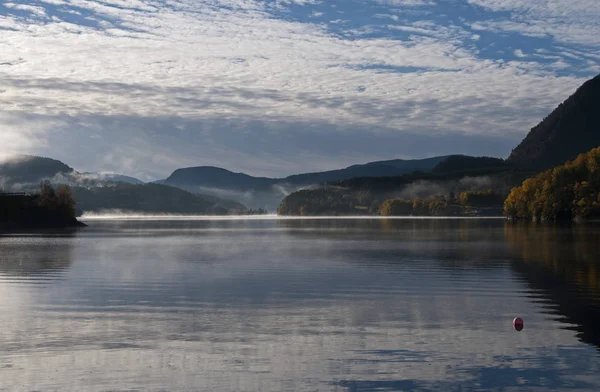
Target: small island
column 46, row 209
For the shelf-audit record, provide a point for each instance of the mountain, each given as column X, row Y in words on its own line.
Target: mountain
column 100, row 191
column 396, row 167
column 21, row 169
column 255, row 192
column 465, row 164
column 571, row 129
column 216, row 177
column 263, row 192
column 151, row 198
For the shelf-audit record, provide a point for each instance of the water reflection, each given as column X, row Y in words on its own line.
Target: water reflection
column 246, row 305
column 30, row 256
column 564, row 263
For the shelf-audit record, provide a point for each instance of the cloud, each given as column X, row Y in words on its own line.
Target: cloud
column 407, row 3
column 572, row 21
column 143, row 86
column 519, row 53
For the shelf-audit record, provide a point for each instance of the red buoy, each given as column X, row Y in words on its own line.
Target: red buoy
column 518, row 323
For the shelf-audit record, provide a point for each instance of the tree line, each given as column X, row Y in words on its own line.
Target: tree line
column 49, row 206
column 465, row 203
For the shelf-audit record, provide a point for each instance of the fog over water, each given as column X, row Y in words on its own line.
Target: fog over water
column 269, row 304
column 116, row 216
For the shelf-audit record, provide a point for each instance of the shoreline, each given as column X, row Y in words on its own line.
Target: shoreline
column 271, row 217
column 15, row 225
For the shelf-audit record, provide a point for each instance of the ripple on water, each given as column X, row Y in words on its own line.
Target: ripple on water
column 303, row 305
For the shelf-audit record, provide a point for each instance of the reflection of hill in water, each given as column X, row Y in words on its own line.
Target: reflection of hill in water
column 35, row 256
column 454, row 243
column 446, row 229
column 564, row 263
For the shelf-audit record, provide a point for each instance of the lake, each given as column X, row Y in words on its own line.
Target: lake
column 301, row 305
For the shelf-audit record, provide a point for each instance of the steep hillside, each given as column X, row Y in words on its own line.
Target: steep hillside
column 466, row 164
column 571, row 129
column 569, row 191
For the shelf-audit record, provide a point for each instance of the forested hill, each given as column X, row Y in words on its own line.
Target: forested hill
column 571, row 129
column 27, row 168
column 194, row 178
column 569, row 191
column 394, row 167
column 365, row 195
column 207, row 177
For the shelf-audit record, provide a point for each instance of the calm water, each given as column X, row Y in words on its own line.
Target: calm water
column 301, row 305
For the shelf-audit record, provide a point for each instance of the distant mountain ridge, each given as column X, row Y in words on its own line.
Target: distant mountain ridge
column 263, row 192
column 394, row 167
column 98, row 192
column 216, row 177
column 25, row 172
column 571, row 129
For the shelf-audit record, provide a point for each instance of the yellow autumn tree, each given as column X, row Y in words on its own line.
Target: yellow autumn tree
column 568, row 191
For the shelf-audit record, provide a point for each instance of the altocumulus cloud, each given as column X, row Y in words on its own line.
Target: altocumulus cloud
column 280, row 87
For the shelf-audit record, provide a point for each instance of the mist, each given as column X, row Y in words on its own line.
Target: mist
column 268, row 199
column 116, row 214
column 112, row 215
column 14, row 158
column 424, row 189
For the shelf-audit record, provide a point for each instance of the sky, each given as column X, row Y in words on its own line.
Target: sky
column 142, row 87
